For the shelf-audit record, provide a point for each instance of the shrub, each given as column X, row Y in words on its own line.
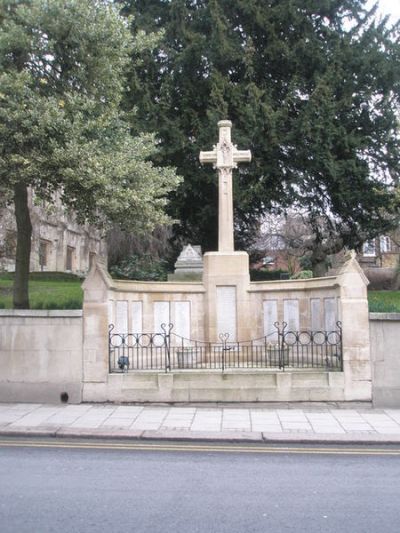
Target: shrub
column 140, row 268
column 381, row 279
column 303, row 274
column 266, row 275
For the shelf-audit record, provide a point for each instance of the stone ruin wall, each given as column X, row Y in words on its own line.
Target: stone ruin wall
column 58, row 232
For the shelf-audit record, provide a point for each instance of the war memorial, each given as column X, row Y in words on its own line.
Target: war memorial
column 224, row 338
column 209, row 334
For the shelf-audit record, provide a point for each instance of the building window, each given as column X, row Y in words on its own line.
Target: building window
column 9, row 245
column 44, row 248
column 385, row 244
column 70, row 259
column 369, row 249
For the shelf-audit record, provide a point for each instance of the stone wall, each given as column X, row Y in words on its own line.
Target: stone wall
column 59, row 243
column 385, row 355
column 214, row 386
column 40, row 356
column 226, row 302
column 46, row 353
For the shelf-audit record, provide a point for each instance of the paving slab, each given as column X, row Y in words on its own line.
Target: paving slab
column 320, row 423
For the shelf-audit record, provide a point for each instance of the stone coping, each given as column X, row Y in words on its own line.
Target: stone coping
column 295, row 284
column 384, row 316
column 157, row 286
column 42, row 313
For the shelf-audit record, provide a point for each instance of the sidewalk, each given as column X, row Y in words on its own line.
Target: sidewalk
column 321, row 423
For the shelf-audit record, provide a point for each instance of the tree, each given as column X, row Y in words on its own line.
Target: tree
column 295, row 237
column 312, row 87
column 61, row 127
column 153, row 245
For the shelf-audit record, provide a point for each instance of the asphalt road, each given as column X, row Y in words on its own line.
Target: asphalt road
column 134, row 488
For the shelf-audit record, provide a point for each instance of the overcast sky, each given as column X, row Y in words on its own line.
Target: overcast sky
column 390, row 7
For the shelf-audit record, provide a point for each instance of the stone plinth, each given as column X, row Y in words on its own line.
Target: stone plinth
column 226, row 280
column 355, row 328
column 189, row 265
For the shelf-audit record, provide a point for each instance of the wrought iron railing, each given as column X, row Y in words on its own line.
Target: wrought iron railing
column 280, row 349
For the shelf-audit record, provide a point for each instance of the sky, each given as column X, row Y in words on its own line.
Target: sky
column 390, row 7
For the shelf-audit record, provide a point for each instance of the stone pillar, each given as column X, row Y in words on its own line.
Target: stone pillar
column 225, row 157
column 224, row 270
column 95, row 331
column 355, row 324
column 61, row 249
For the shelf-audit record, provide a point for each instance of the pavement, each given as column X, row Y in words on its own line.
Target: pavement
column 272, row 423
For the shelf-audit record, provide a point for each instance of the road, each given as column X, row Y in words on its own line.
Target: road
column 102, row 486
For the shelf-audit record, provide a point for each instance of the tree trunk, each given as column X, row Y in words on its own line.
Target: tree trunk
column 318, row 261
column 24, row 235
column 319, row 269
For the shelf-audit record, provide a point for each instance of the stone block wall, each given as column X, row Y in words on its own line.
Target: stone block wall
column 46, row 353
column 385, row 355
column 40, row 356
column 227, row 299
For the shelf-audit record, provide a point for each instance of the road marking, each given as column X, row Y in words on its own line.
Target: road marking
column 187, row 447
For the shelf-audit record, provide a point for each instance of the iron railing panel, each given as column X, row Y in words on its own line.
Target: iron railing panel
column 281, row 349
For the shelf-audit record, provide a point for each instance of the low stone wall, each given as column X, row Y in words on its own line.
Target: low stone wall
column 40, row 356
column 215, row 386
column 385, row 357
column 225, row 302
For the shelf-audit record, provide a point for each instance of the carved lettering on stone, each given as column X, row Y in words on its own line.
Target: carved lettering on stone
column 226, row 311
column 161, row 315
column 330, row 305
column 291, row 314
column 270, row 308
column 316, row 314
column 137, row 317
column 121, row 316
column 181, row 319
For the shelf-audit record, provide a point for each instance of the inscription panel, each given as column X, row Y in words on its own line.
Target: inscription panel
column 181, row 319
column 316, row 314
column 330, row 305
column 226, row 311
column 291, row 314
column 121, row 316
column 161, row 315
column 137, row 317
column 270, row 308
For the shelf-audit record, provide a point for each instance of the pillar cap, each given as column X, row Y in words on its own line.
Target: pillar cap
column 224, row 124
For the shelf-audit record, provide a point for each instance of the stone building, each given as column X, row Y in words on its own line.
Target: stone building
column 58, row 242
column 380, row 260
column 382, row 252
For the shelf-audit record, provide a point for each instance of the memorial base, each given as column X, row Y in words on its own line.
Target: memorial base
column 226, row 280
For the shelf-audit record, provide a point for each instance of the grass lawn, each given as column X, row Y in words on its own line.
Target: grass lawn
column 384, row 301
column 57, row 290
column 47, row 290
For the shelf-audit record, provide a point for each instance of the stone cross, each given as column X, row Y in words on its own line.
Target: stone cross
column 225, row 156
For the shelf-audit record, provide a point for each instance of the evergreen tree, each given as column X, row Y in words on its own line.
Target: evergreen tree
column 312, row 88
column 61, row 129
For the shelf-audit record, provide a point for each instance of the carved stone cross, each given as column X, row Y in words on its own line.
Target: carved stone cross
column 225, row 157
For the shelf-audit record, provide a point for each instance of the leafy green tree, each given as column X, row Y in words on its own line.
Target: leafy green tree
column 62, row 132
column 312, row 88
